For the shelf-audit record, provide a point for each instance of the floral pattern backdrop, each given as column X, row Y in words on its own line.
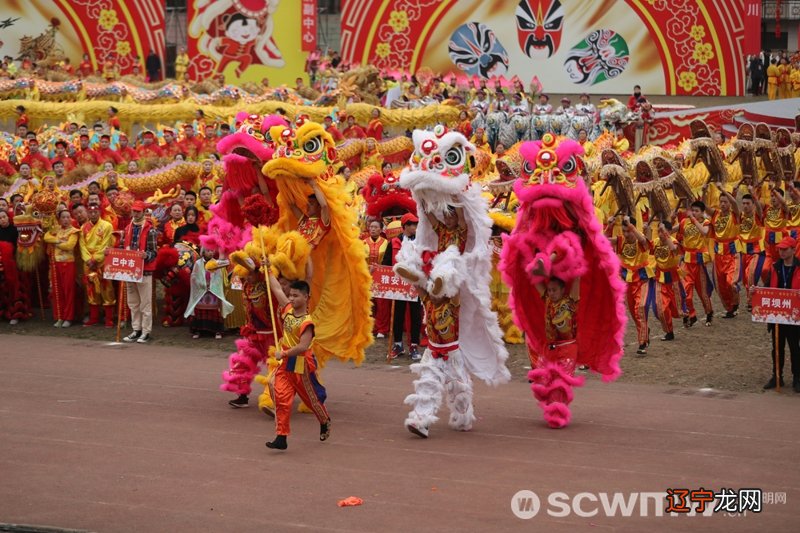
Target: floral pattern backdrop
column 125, row 29
column 674, row 46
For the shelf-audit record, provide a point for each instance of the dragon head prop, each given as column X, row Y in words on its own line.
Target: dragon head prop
column 30, row 246
column 440, row 167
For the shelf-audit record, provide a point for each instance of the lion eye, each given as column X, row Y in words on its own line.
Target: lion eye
column 569, row 166
column 527, row 168
column 312, row 145
column 454, row 156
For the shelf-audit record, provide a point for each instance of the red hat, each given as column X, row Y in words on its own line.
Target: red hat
column 409, row 218
column 169, row 130
column 788, row 242
column 149, row 134
column 33, row 141
column 138, row 205
column 84, row 135
column 188, row 127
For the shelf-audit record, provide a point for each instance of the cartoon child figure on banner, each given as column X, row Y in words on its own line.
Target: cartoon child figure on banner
column 235, row 31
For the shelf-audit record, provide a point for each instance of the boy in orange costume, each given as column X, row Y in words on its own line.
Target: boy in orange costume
column 693, row 236
column 669, row 303
column 297, row 363
column 633, row 249
column 727, row 251
column 751, row 236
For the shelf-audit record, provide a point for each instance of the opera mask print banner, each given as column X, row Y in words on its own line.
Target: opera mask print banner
column 245, row 40
column 595, row 46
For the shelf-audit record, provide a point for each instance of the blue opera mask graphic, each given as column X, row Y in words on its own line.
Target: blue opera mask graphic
column 475, row 49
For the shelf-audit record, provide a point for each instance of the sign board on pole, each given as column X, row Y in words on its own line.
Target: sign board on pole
column 124, row 265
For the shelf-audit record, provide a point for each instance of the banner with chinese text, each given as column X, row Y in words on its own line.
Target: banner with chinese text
column 389, row 286
column 776, row 306
column 595, row 46
column 124, row 265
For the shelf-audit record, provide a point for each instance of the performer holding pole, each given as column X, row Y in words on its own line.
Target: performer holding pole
column 297, row 362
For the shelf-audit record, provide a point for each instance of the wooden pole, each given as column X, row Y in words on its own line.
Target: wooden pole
column 269, row 289
column 776, row 350
column 39, row 289
column 120, row 301
column 57, row 313
column 391, row 334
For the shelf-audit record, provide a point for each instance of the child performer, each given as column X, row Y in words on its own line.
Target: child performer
column 297, row 362
column 751, row 235
column 451, row 232
column 315, row 223
column 62, row 240
column 693, row 236
column 669, row 303
column 633, row 249
column 560, row 329
column 207, row 304
column 442, row 370
column 560, row 326
column 727, row 250
column 775, row 220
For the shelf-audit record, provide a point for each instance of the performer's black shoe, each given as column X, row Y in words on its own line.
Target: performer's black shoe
column 325, row 430
column 670, row 336
column 691, row 322
column 241, row 401
column 730, row 314
column 642, row 349
column 796, row 384
column 771, row 383
column 279, row 443
column 709, row 319
column 686, row 321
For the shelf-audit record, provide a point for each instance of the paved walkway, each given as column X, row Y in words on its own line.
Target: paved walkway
column 135, row 438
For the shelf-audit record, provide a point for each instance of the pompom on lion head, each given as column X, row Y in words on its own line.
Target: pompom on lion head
column 258, row 211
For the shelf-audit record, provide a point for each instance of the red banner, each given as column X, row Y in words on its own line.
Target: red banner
column 752, row 27
column 389, row 286
column 776, row 306
column 124, row 265
column 308, row 26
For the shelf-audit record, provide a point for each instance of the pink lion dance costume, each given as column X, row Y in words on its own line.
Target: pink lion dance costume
column 463, row 333
column 246, row 190
column 557, row 235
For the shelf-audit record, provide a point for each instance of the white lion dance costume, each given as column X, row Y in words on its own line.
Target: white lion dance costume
column 451, row 268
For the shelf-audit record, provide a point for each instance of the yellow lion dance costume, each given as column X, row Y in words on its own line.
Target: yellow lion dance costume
column 340, row 282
